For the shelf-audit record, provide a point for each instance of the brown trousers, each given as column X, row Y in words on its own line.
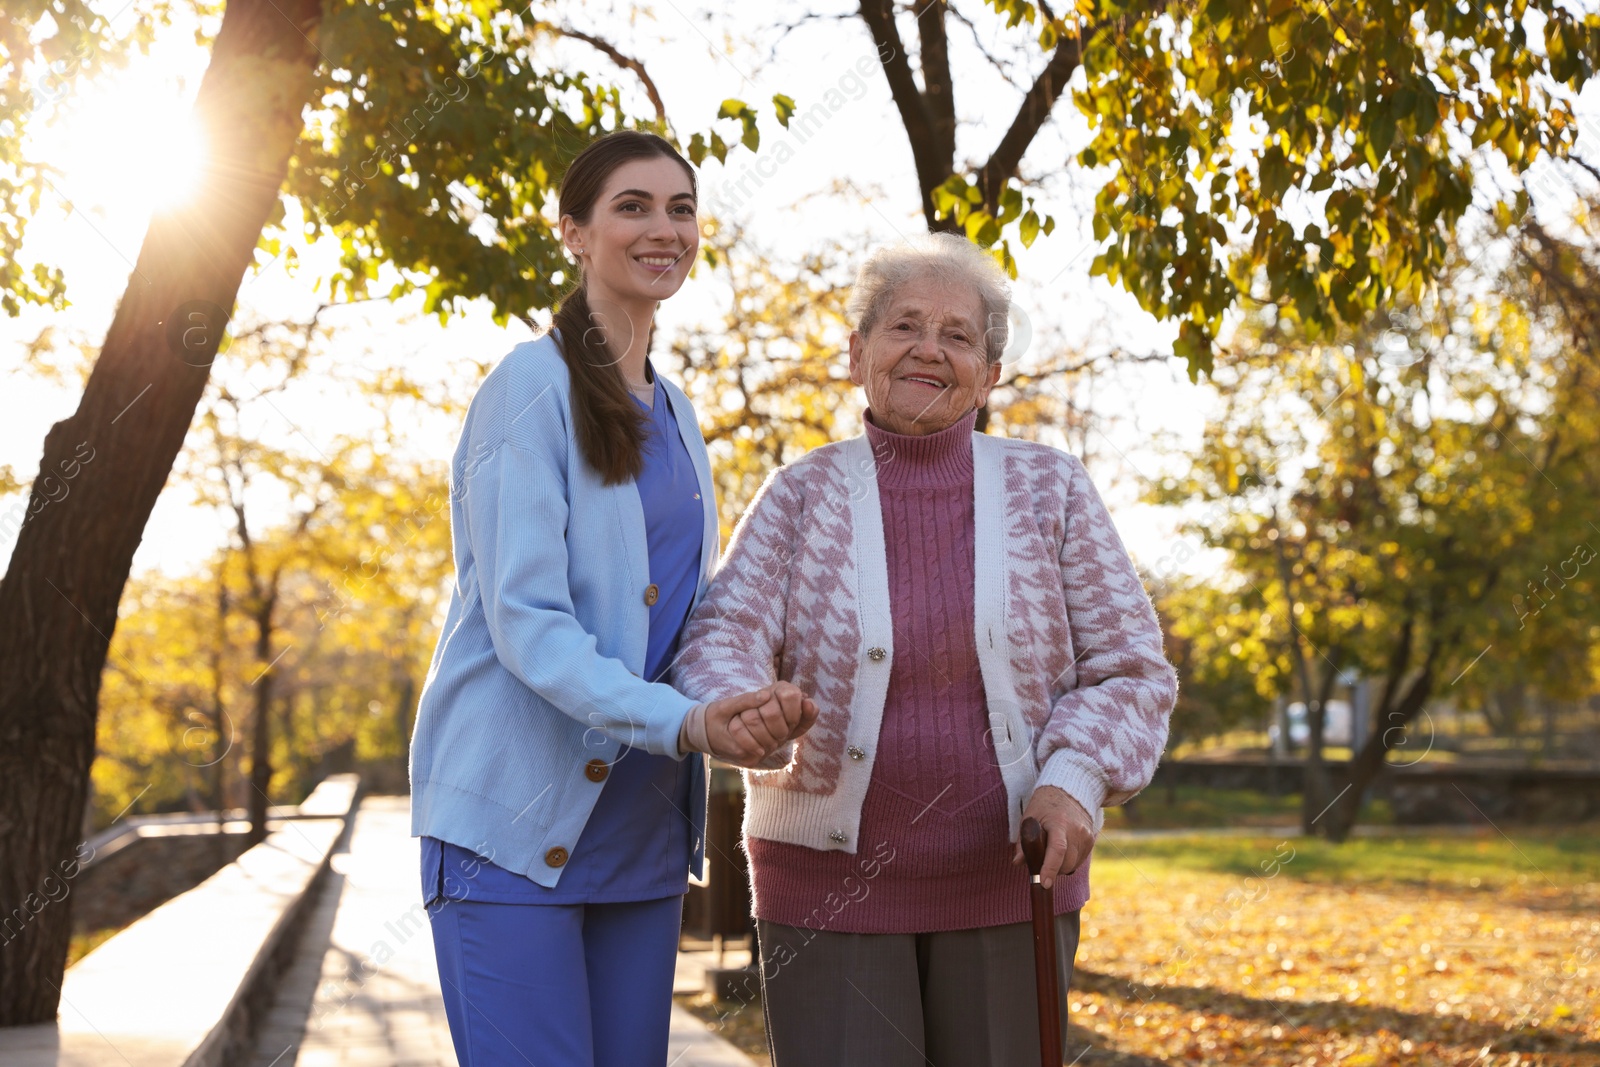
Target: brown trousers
column 958, row 998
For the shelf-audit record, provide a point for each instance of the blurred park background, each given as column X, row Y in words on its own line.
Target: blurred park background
column 1313, row 288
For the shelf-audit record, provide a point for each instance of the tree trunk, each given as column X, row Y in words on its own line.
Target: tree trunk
column 1503, row 708
column 219, row 715
column 1314, row 791
column 58, row 600
column 928, row 115
column 261, row 739
column 403, row 711
column 1315, row 798
column 928, row 112
column 1366, row 764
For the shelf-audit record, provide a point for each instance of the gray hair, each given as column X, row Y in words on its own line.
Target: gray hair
column 946, row 257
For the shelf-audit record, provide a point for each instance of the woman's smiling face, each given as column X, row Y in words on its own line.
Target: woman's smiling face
column 924, row 364
column 641, row 237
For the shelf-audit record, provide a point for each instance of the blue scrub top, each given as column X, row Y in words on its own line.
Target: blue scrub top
column 635, row 845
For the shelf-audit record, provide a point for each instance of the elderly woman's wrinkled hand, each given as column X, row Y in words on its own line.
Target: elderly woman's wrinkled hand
column 787, row 715
column 1068, row 828
column 749, row 729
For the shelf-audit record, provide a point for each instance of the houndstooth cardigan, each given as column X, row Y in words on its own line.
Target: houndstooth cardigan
column 1079, row 692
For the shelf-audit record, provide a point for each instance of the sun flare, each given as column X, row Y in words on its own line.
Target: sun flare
column 127, row 147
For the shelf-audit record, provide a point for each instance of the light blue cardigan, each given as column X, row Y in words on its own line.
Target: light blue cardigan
column 536, row 672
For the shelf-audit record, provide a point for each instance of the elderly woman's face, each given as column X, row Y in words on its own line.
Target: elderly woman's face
column 923, row 366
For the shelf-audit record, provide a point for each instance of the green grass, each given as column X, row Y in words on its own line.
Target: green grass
column 85, row 942
column 1529, row 859
column 1198, row 807
column 1252, row 744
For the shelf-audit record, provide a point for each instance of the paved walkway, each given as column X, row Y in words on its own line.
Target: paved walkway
column 363, row 990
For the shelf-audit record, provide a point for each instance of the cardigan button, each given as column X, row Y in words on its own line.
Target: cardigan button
column 652, row 593
column 856, row 752
column 596, row 770
column 836, row 835
column 556, row 857
column 875, row 653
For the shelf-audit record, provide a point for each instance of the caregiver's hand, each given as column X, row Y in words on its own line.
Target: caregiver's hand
column 1069, row 830
column 784, row 716
column 747, row 729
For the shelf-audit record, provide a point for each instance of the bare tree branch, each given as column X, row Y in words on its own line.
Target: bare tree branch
column 933, row 157
column 938, row 87
column 972, row 27
column 616, row 56
column 785, row 29
column 1031, row 116
column 1593, row 171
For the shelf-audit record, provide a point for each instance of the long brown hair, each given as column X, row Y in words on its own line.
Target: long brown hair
column 610, row 427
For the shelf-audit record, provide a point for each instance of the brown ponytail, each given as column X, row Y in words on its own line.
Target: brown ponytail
column 609, row 426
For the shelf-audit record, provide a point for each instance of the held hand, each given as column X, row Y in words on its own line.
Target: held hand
column 1069, row 829
column 724, row 735
column 749, row 729
column 740, row 729
column 788, row 714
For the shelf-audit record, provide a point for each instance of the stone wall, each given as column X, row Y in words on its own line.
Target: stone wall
column 1423, row 794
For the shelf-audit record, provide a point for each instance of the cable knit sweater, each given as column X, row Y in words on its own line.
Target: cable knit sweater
column 1077, row 688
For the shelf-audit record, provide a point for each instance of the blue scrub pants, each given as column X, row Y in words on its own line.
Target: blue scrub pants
column 558, row 985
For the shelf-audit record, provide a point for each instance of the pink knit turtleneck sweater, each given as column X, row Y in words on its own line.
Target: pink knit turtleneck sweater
column 936, row 803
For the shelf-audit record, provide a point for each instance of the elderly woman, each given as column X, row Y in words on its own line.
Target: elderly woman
column 981, row 650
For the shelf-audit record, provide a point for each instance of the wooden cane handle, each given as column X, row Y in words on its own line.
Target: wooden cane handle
column 1034, row 842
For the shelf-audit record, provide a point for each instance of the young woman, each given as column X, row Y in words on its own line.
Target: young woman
column 558, row 814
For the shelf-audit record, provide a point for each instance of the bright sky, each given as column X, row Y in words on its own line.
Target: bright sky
column 124, row 145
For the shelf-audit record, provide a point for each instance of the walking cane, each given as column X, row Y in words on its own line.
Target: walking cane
column 1044, row 946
